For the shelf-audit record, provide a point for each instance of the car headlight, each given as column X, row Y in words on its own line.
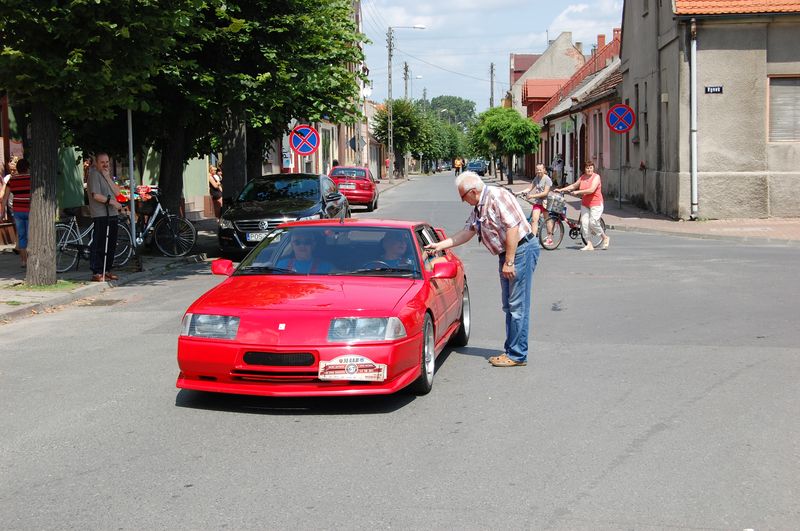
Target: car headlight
column 225, row 223
column 358, row 329
column 318, row 215
column 210, row 326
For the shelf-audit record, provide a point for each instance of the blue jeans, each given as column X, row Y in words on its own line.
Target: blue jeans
column 21, row 222
column 516, row 295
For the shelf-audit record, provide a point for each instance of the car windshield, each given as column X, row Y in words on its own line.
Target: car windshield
column 335, row 251
column 351, row 173
column 299, row 187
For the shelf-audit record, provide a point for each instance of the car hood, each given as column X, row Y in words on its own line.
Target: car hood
column 300, row 293
column 269, row 209
column 294, row 312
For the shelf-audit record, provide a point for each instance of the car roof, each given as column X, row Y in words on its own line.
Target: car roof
column 357, row 223
column 279, row 176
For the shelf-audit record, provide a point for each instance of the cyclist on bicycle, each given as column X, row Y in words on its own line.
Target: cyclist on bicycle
column 537, row 191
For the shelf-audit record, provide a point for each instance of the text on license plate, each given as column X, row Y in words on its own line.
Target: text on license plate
column 256, row 236
column 347, row 186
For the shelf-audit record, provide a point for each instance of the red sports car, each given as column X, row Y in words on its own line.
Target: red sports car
column 357, row 185
column 328, row 307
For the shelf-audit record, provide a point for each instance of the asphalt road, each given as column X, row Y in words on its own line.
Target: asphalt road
column 662, row 392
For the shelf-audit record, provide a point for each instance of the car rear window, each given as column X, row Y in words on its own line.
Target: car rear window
column 350, row 173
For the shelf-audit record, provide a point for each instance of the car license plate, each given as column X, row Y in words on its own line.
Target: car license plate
column 347, row 186
column 354, row 368
column 256, row 236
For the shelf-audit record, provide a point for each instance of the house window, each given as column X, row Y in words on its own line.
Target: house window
column 784, row 109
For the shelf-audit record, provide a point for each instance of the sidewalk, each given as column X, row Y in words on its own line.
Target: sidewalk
column 631, row 218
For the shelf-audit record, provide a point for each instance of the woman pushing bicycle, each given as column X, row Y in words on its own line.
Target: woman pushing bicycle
column 589, row 189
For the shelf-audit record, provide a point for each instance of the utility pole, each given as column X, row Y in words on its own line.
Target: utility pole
column 425, row 95
column 389, row 128
column 491, row 87
column 405, row 78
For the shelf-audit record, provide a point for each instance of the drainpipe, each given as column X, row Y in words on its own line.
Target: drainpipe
column 693, row 115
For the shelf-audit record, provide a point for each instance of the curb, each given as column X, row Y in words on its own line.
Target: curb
column 32, row 309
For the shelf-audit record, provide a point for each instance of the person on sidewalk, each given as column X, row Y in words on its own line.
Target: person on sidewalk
column 7, row 201
column 537, row 191
column 20, row 185
column 457, row 165
column 498, row 220
column 215, row 190
column 589, row 189
column 104, row 209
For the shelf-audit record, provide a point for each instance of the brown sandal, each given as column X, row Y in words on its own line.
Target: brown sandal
column 505, row 361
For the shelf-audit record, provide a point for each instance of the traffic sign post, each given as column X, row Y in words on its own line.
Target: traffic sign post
column 304, row 140
column 620, row 119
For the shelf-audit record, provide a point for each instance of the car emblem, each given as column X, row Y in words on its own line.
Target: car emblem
column 282, row 326
column 263, row 224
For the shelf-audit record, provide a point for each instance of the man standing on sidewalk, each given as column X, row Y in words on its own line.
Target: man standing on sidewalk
column 500, row 224
column 104, row 208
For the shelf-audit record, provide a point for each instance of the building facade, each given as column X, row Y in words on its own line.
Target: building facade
column 716, row 90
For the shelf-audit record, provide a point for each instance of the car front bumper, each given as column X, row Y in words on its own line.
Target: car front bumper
column 219, row 367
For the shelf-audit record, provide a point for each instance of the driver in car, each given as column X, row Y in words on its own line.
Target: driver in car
column 302, row 259
column 395, row 245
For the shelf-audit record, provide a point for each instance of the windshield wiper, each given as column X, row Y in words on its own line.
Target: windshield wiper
column 267, row 269
column 378, row 270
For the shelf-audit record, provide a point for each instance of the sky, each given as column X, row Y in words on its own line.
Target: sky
column 452, row 56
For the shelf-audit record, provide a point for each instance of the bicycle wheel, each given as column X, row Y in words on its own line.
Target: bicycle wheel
column 555, row 238
column 124, row 247
column 597, row 239
column 67, row 242
column 175, row 236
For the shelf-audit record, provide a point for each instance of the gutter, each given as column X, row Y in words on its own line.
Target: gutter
column 693, row 117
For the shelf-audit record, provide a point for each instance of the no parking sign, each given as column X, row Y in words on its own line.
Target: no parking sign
column 304, row 140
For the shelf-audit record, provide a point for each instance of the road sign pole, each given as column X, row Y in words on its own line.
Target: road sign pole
column 619, row 191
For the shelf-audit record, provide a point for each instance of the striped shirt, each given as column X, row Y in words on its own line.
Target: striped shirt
column 20, row 186
column 496, row 212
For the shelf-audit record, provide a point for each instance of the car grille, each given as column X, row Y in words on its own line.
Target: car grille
column 275, row 359
column 254, row 225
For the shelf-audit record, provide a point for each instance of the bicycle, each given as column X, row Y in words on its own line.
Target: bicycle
column 173, row 235
column 70, row 246
column 556, row 208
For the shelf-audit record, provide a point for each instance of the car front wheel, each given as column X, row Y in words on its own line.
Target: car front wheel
column 424, row 383
column 461, row 337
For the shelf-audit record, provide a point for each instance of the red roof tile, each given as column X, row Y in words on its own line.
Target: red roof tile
column 731, row 7
column 541, row 88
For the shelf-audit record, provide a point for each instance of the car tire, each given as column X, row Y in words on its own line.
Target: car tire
column 461, row 337
column 424, row 383
column 371, row 206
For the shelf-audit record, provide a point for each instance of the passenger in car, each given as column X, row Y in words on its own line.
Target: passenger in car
column 303, row 259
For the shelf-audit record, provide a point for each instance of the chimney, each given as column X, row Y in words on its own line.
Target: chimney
column 601, row 41
column 579, row 46
column 617, row 34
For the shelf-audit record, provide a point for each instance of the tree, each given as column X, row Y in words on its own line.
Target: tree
column 502, row 132
column 71, row 60
column 454, row 109
column 406, row 127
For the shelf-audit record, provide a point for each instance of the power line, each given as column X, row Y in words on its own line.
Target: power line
column 447, row 69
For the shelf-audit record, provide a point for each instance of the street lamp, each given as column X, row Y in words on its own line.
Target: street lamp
column 389, row 127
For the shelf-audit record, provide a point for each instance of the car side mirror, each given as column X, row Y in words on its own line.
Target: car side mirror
column 333, row 196
column 444, row 270
column 222, row 266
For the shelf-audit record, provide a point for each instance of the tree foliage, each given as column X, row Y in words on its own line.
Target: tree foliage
column 502, row 131
column 77, row 60
column 453, row 109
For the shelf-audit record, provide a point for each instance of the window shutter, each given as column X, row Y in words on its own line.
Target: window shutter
column 784, row 109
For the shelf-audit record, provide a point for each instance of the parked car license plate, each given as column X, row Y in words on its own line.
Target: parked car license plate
column 347, row 186
column 256, row 236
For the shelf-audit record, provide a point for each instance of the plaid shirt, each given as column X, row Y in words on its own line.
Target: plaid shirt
column 496, row 212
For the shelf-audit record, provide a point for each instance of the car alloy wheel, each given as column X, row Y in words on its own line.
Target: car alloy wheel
column 461, row 337
column 424, row 383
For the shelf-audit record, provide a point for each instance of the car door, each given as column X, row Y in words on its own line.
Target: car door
column 445, row 301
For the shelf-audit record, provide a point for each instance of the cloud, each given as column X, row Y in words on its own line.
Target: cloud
column 586, row 21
